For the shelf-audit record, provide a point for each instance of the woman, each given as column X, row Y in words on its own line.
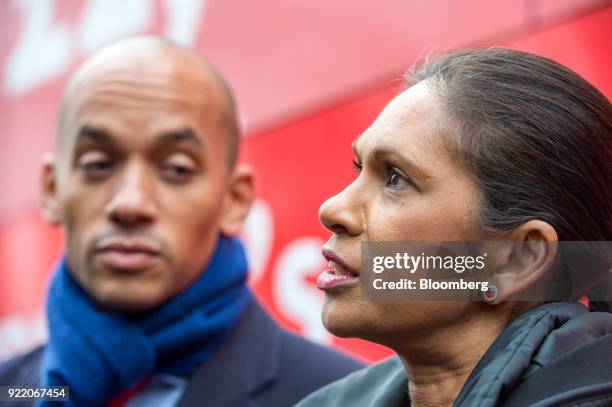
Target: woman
column 483, row 145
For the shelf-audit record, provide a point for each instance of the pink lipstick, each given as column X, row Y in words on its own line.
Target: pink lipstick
column 338, row 273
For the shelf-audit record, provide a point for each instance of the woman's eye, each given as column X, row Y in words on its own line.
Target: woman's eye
column 357, row 166
column 396, row 178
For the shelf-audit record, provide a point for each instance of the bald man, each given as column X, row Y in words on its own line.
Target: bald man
column 149, row 305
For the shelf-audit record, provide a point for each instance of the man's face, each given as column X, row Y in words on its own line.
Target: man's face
column 141, row 181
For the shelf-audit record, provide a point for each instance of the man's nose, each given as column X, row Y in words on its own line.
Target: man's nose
column 342, row 213
column 133, row 201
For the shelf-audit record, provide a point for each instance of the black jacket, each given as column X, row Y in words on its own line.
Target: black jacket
column 260, row 365
column 557, row 354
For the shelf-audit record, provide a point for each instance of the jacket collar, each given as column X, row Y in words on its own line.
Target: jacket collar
column 504, row 364
column 247, row 362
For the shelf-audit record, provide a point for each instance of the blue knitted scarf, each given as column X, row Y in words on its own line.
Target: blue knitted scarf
column 100, row 353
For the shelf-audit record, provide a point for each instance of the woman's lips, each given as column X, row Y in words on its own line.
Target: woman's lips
column 335, row 262
column 337, row 275
column 328, row 280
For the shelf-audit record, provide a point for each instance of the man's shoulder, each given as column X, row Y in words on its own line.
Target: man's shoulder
column 299, row 356
column 22, row 370
column 266, row 364
column 317, row 359
column 303, row 368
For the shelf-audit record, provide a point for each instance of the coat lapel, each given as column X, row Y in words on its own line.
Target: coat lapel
column 247, row 362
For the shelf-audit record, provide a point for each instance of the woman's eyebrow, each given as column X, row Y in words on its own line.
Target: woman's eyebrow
column 383, row 153
column 354, row 147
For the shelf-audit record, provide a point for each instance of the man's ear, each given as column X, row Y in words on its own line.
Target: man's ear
column 237, row 201
column 525, row 259
column 48, row 190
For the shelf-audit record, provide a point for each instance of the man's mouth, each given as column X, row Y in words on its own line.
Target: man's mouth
column 128, row 255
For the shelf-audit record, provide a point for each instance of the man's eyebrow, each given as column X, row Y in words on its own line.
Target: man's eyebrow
column 179, row 136
column 94, row 134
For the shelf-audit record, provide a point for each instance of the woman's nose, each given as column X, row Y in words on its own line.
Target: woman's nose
column 341, row 213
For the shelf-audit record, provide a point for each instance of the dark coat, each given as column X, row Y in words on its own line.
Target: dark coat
column 260, row 365
column 558, row 354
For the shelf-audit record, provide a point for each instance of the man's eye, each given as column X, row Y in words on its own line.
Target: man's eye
column 95, row 164
column 178, row 168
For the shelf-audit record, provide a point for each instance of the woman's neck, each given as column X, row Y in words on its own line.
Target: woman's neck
column 438, row 362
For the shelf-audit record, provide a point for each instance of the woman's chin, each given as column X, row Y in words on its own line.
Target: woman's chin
column 342, row 319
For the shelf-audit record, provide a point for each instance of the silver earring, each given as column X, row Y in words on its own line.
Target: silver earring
column 490, row 296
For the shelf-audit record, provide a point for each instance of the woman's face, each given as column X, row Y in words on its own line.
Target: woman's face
column 408, row 187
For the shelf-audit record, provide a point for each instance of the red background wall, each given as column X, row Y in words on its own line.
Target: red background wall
column 309, row 76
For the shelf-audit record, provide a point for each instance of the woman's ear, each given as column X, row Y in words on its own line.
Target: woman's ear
column 237, row 201
column 522, row 264
column 48, row 190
